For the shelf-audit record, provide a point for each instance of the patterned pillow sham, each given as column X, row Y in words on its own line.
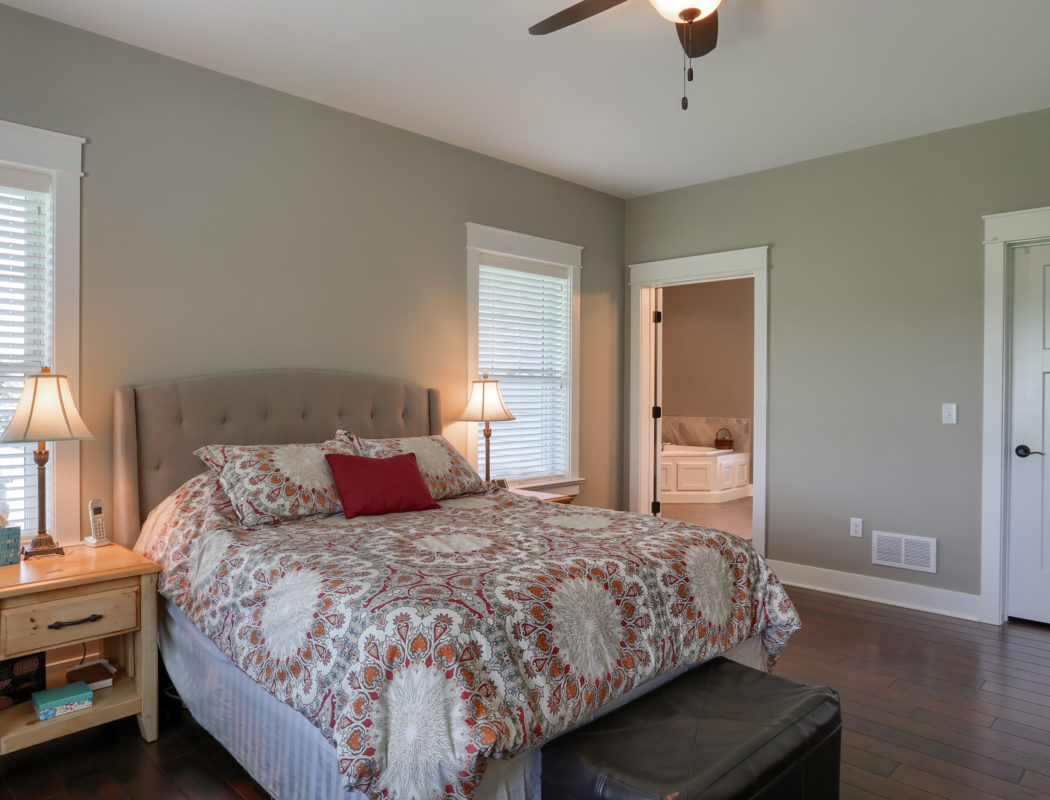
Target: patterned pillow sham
column 446, row 472
column 268, row 483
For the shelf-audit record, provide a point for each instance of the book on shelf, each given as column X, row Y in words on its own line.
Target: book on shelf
column 96, row 674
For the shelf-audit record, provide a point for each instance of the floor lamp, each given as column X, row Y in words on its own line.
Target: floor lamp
column 485, row 404
column 45, row 413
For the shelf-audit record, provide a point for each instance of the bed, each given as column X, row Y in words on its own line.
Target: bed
column 444, row 686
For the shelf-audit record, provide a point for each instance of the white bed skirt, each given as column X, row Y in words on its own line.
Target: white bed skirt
column 287, row 755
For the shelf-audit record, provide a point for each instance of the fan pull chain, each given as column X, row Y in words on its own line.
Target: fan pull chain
column 687, row 65
column 685, row 76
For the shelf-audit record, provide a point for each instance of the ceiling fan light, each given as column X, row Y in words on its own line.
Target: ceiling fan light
column 672, row 10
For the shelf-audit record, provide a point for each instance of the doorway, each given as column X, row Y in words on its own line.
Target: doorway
column 645, row 438
column 1015, row 537
column 706, row 369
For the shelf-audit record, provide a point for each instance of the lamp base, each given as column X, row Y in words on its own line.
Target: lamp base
column 42, row 545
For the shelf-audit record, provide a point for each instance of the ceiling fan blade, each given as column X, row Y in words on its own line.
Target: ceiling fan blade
column 699, row 38
column 572, row 15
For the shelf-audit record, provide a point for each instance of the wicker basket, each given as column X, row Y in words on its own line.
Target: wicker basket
column 723, row 439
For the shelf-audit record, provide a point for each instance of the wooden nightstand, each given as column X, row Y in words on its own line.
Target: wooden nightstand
column 550, row 497
column 118, row 586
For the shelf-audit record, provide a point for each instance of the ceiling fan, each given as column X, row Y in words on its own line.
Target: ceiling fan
column 696, row 22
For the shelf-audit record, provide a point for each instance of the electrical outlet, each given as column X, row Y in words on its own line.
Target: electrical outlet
column 856, row 527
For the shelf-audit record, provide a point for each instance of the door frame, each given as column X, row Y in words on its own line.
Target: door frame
column 643, row 278
column 1002, row 232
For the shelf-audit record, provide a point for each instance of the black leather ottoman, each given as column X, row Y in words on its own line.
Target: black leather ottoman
column 721, row 731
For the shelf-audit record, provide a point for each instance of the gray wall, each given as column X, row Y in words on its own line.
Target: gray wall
column 227, row 226
column 875, row 320
column 708, row 352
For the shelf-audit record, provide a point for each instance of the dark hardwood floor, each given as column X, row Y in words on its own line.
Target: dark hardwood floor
column 934, row 709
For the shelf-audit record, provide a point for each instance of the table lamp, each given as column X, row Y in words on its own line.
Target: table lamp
column 45, row 413
column 484, row 404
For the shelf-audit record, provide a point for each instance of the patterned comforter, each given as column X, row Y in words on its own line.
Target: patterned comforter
column 421, row 644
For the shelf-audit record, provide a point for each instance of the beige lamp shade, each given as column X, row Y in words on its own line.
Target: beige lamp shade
column 46, row 412
column 485, row 403
column 671, row 10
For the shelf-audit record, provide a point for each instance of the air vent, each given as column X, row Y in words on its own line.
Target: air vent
column 907, row 552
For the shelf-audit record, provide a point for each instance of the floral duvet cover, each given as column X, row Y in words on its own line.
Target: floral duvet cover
column 421, row 644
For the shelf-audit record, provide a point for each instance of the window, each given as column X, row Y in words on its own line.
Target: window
column 39, row 304
column 25, row 323
column 524, row 321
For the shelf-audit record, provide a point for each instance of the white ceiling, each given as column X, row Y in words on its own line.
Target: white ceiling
column 599, row 103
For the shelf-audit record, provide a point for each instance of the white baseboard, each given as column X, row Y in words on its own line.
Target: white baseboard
column 881, row 590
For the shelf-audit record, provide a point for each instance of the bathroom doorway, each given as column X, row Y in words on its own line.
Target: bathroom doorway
column 645, row 415
column 707, row 399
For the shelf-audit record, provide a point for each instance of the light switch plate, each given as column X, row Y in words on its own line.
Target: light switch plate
column 949, row 414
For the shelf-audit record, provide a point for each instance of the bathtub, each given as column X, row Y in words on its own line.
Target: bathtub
column 690, row 474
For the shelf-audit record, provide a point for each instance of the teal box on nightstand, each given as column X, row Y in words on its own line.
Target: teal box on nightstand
column 62, row 700
column 9, row 541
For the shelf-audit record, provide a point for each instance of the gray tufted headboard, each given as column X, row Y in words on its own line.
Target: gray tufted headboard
column 158, row 426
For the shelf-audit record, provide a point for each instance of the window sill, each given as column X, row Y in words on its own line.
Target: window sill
column 565, row 486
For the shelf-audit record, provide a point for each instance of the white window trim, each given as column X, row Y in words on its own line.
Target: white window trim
column 481, row 239
column 59, row 156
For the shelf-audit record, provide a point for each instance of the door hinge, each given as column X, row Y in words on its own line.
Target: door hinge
column 657, row 412
column 656, row 506
column 658, row 316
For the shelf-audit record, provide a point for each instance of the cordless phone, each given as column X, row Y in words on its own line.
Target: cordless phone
column 97, row 524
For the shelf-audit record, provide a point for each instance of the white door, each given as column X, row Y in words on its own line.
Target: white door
column 1028, row 581
column 658, row 395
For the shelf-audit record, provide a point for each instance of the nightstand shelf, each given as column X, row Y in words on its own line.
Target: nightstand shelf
column 111, row 583
column 19, row 726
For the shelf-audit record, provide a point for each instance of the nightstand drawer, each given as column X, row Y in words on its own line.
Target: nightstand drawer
column 47, row 624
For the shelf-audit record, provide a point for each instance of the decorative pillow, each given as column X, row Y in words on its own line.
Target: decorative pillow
column 271, row 483
column 372, row 486
column 446, row 472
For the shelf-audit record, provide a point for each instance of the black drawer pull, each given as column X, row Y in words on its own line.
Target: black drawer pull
column 59, row 625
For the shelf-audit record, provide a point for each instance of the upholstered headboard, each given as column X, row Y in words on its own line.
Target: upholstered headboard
column 158, row 426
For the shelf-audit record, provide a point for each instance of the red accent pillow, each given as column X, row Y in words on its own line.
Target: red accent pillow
column 371, row 486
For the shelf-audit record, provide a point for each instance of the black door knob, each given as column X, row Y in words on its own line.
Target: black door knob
column 1024, row 451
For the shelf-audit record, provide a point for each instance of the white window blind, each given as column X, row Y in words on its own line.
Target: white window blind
column 26, row 322
column 525, row 342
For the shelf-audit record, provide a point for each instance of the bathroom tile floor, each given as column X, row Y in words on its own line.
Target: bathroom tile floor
column 733, row 517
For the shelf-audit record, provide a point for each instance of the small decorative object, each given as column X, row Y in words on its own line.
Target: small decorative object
column 9, row 540
column 20, row 677
column 485, row 403
column 45, row 413
column 62, row 700
column 723, row 439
